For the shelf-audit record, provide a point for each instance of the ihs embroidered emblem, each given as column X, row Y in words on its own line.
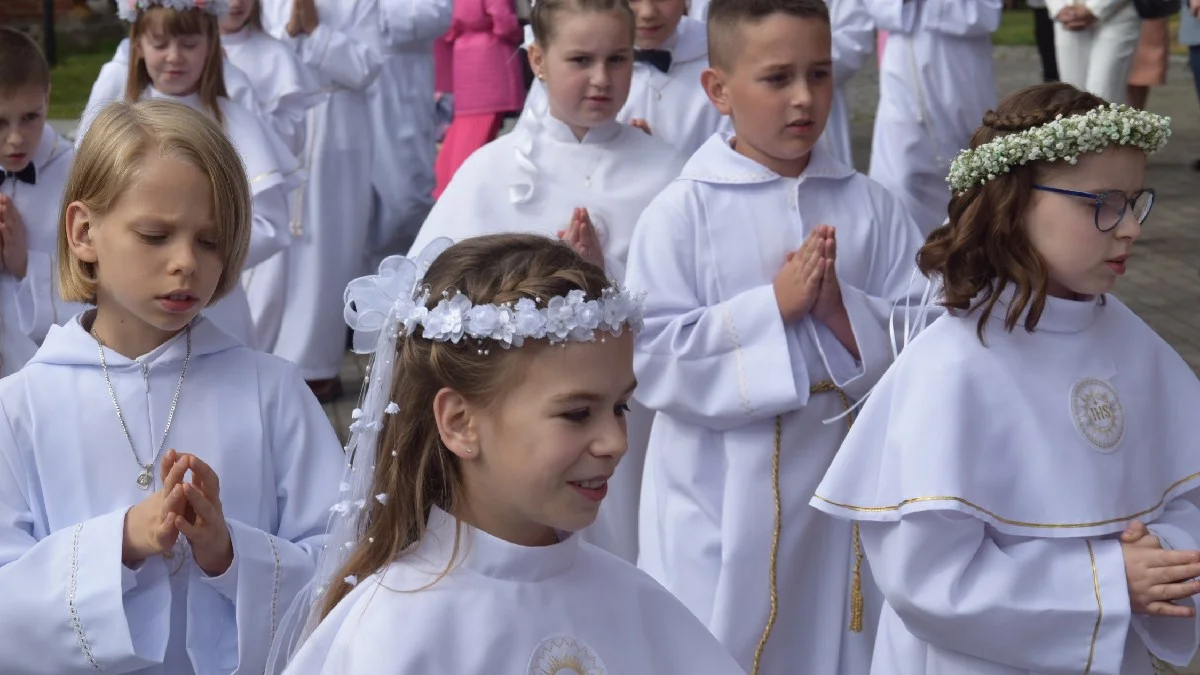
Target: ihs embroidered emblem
column 1098, row 414
column 565, row 655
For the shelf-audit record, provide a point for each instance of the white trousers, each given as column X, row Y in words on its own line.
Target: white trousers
column 1098, row 59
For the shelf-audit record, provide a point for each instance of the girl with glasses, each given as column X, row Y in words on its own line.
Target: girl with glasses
column 1025, row 478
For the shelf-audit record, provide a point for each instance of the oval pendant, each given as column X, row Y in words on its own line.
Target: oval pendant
column 143, row 480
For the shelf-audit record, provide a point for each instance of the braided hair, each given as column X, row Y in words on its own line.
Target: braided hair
column 984, row 248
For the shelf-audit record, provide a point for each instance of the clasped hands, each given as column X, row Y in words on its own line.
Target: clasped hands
column 188, row 508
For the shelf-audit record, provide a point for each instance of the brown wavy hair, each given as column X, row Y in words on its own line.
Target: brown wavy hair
column 176, row 23
column 985, row 247
column 423, row 473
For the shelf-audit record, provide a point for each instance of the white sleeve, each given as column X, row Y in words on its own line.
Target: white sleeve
column 717, row 366
column 346, row 56
column 270, row 225
column 962, row 18
column 1053, row 606
column 1172, row 639
column 405, row 22
column 70, row 605
column 108, row 87
column 853, row 38
column 244, row 605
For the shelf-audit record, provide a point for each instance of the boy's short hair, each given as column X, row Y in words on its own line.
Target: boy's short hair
column 110, row 158
column 725, row 19
column 22, row 64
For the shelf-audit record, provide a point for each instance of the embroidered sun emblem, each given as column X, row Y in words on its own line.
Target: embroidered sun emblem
column 1098, row 414
column 565, row 655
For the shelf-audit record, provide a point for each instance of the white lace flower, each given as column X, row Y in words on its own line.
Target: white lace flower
column 127, row 10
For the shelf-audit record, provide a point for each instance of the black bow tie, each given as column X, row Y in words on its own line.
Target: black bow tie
column 26, row 175
column 659, row 58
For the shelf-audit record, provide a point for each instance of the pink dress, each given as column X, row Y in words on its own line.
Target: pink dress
column 486, row 76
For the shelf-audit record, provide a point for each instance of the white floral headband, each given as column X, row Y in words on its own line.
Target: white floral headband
column 127, row 10
column 394, row 301
column 1064, row 138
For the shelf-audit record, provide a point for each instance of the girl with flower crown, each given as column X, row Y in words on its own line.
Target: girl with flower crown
column 1024, row 477
column 493, row 418
column 574, row 172
column 175, row 53
column 164, row 490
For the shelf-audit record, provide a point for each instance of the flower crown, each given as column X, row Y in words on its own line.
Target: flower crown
column 127, row 10
column 395, row 300
column 1064, row 138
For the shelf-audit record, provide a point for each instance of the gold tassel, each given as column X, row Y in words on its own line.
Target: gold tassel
column 856, row 598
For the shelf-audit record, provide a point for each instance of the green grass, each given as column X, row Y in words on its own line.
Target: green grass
column 71, row 80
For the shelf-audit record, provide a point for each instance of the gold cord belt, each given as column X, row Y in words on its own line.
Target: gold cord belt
column 856, row 599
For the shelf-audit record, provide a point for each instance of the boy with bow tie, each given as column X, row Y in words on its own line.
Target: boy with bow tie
column 34, row 162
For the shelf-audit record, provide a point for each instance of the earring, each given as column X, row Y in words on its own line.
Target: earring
column 541, row 76
column 469, row 451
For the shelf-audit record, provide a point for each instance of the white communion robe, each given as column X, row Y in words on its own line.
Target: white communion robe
column 853, row 43
column 301, row 290
column 936, row 82
column 673, row 103
column 567, row 608
column 404, row 124
column 36, row 298
column 274, row 175
column 729, row 381
column 67, row 479
column 283, row 88
column 992, row 484
column 110, row 86
column 531, row 180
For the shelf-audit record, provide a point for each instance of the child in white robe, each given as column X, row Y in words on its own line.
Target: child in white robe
column 111, row 82
column 176, row 53
column 665, row 97
column 997, row 465
column 671, row 52
column 284, row 89
column 574, row 172
column 118, row 553
column 935, row 82
column 493, row 419
column 34, row 162
column 772, row 270
column 339, row 41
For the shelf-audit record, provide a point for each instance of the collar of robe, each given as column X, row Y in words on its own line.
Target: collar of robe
column 490, row 556
column 72, row 345
column 238, row 38
column 690, row 41
column 717, row 162
column 560, row 131
column 1058, row 316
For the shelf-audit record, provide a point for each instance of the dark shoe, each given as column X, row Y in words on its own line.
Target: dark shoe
column 326, row 391
column 1196, row 165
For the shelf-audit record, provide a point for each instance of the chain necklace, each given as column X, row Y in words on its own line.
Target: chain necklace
column 146, row 477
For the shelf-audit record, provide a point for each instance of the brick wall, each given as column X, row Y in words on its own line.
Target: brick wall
column 25, row 11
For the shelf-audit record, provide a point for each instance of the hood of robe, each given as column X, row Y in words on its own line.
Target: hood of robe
column 71, row 345
column 691, row 42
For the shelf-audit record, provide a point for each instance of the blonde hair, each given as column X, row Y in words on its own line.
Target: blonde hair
column 110, row 159
column 179, row 22
column 411, row 465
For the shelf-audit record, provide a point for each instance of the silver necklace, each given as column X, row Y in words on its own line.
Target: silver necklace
column 146, row 476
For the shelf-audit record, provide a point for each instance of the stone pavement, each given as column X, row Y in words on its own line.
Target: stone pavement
column 1163, row 281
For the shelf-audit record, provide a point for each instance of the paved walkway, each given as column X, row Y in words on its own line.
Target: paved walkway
column 1163, row 282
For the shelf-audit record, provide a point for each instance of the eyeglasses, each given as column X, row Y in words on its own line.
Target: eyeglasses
column 1111, row 204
